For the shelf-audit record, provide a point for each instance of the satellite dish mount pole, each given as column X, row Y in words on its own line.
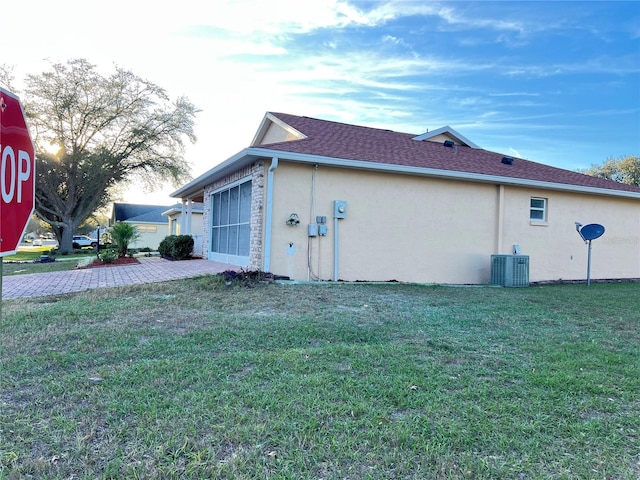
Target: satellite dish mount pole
column 589, row 265
column 588, row 233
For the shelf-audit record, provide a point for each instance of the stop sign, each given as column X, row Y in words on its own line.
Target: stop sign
column 17, row 173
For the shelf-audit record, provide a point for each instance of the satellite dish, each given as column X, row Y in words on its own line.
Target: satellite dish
column 592, row 231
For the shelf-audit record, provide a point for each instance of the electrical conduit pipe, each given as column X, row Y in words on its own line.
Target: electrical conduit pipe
column 335, row 248
column 269, row 215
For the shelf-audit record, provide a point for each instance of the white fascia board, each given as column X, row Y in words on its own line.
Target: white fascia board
column 197, row 184
column 437, row 173
column 178, row 211
column 250, row 154
column 262, row 128
column 450, row 131
column 141, row 222
column 287, row 127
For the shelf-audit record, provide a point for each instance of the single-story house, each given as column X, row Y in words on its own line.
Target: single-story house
column 320, row 200
column 148, row 219
column 185, row 218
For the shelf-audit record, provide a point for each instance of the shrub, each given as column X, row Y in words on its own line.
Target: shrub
column 183, row 247
column 165, row 246
column 123, row 234
column 108, row 255
column 176, row 247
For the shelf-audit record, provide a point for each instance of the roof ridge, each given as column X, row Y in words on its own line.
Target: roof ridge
column 336, row 122
column 347, row 142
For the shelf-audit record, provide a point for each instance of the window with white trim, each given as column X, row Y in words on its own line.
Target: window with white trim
column 538, row 209
column 230, row 218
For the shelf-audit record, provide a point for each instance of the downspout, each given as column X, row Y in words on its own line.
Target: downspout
column 500, row 219
column 268, row 215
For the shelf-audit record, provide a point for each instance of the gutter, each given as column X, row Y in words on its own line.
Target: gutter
column 251, row 154
column 500, row 232
column 269, row 215
column 438, row 173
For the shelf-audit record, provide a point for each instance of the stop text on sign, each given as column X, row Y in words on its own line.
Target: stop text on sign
column 14, row 171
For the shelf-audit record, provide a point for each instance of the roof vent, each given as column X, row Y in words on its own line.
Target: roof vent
column 449, row 143
column 507, row 160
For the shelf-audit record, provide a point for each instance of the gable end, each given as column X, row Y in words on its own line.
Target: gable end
column 444, row 134
column 274, row 130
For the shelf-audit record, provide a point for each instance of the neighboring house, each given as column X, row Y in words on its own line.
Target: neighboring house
column 186, row 219
column 148, row 219
column 320, row 200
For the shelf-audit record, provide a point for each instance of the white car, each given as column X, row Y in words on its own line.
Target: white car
column 80, row 241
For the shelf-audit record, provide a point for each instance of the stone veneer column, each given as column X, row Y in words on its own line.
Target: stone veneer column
column 256, row 253
column 256, row 224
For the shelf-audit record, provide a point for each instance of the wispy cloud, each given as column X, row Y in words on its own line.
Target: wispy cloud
column 508, row 72
column 514, row 94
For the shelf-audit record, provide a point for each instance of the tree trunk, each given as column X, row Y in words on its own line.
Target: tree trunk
column 64, row 235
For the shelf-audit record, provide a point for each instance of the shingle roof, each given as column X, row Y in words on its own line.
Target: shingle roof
column 351, row 142
column 132, row 212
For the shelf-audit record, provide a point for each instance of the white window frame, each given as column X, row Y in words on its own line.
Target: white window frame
column 544, row 209
column 147, row 228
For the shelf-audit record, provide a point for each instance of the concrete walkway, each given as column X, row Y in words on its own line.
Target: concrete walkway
column 149, row 270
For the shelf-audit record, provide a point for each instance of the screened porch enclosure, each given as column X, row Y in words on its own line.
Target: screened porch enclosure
column 230, row 224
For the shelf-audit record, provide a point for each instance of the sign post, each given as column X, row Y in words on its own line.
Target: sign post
column 17, row 175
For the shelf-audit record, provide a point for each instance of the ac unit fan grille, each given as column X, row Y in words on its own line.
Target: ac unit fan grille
column 510, row 270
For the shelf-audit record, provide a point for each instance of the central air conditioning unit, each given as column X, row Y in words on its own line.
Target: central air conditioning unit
column 510, row 270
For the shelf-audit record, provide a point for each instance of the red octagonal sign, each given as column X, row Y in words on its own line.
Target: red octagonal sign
column 17, row 173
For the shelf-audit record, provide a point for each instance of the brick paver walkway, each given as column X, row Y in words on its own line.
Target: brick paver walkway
column 149, row 270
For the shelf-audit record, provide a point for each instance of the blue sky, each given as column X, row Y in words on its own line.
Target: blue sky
column 553, row 82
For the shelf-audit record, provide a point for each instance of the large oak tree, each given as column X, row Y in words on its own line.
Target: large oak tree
column 93, row 132
column 625, row 169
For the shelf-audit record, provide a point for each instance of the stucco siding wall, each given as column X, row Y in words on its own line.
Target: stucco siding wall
column 555, row 248
column 398, row 227
column 276, row 134
column 197, row 229
column 196, row 224
column 417, row 229
column 442, row 138
column 149, row 239
column 172, row 220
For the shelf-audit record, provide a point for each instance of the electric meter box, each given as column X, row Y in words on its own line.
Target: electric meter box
column 339, row 209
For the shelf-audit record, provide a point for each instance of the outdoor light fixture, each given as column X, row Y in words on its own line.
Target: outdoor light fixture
column 293, row 220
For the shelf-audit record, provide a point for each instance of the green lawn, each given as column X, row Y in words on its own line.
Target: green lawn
column 196, row 380
column 27, row 254
column 23, row 261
